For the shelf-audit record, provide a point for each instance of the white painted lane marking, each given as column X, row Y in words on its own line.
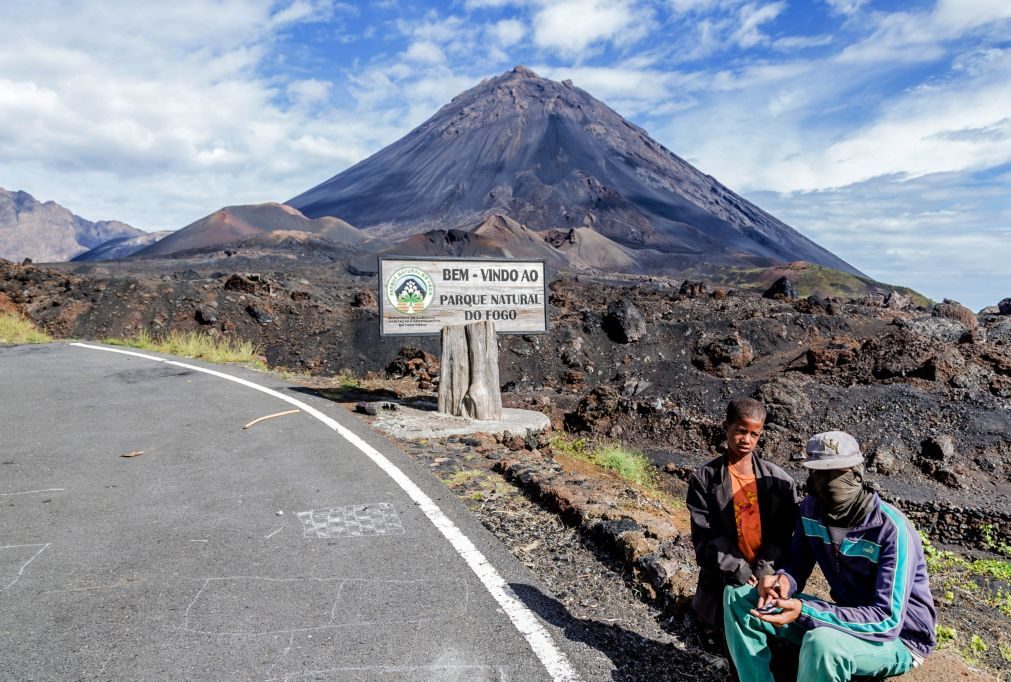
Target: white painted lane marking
column 29, row 492
column 550, row 656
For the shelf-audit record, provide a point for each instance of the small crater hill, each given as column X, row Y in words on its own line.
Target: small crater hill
column 551, row 157
column 238, row 223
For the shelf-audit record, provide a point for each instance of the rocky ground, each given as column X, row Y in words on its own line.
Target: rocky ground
column 650, row 363
column 616, row 559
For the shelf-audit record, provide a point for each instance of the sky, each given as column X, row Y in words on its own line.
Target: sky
column 882, row 130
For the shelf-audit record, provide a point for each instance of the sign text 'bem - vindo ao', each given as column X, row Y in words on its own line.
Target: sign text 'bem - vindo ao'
column 420, row 296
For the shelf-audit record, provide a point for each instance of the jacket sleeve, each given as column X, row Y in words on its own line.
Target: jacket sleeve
column 713, row 551
column 800, row 562
column 881, row 620
column 777, row 539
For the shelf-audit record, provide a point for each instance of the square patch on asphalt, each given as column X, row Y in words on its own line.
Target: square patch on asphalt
column 361, row 520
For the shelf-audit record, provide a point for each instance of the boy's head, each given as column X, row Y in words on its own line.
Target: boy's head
column 744, row 425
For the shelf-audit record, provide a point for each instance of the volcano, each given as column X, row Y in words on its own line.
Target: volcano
column 551, row 157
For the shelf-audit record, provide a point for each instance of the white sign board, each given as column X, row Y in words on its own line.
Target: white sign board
column 420, row 296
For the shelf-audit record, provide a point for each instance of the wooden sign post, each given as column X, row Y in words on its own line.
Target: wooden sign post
column 468, row 384
column 468, row 302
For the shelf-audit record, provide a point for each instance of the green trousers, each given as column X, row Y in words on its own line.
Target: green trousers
column 826, row 654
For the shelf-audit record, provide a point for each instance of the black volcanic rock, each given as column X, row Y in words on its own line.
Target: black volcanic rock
column 552, row 157
column 48, row 232
column 623, row 323
column 781, row 289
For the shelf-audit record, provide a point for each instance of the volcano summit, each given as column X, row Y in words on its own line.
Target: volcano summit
column 550, row 156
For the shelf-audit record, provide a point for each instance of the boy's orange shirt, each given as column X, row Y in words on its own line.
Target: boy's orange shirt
column 749, row 521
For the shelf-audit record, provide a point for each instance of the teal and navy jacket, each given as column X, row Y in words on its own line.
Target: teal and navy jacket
column 877, row 576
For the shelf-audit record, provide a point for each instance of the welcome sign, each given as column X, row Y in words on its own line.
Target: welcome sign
column 420, row 296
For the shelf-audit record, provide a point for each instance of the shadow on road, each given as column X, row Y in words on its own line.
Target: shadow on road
column 634, row 656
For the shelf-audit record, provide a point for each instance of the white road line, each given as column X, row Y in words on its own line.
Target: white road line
column 553, row 659
column 29, row 492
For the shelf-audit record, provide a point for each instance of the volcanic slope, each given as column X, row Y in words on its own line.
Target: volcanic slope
column 120, row 247
column 550, row 156
column 49, row 232
column 235, row 223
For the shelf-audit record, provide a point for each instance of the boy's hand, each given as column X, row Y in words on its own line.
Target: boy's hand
column 772, row 587
column 791, row 612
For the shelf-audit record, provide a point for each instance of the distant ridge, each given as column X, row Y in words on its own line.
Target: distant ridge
column 551, row 157
column 48, row 232
column 120, row 247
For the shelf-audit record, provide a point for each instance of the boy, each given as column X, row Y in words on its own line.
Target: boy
column 743, row 510
column 881, row 620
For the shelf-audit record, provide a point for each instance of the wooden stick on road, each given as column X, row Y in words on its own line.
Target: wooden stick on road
column 270, row 416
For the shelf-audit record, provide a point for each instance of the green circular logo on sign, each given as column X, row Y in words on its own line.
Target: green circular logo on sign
column 410, row 290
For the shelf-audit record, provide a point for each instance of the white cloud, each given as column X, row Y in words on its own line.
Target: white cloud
column 309, row 92
column 790, row 43
column 945, row 235
column 752, row 17
column 158, row 114
column 702, row 6
column 300, row 11
column 508, row 32
column 846, row 7
column 494, row 4
column 572, row 27
column 950, row 126
column 919, row 36
column 425, row 51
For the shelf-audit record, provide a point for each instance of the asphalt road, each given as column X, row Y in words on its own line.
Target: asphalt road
column 277, row 552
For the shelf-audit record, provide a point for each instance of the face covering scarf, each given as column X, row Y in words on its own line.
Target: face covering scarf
column 841, row 496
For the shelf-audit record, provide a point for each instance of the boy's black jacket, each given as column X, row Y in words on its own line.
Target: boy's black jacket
column 714, row 531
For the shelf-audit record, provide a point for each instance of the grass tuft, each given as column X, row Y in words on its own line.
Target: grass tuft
column 974, row 650
column 629, row 465
column 946, row 635
column 197, row 345
column 462, row 477
column 17, row 329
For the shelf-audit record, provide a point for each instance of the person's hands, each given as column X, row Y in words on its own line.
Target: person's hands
column 791, row 612
column 772, row 587
column 753, row 581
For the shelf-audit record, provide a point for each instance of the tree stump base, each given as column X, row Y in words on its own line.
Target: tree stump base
column 468, row 383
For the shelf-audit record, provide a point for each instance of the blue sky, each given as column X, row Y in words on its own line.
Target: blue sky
column 880, row 129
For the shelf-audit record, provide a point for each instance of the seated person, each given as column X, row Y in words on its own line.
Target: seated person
column 881, row 620
column 743, row 510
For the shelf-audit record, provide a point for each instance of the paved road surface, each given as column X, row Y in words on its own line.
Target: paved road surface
column 277, row 552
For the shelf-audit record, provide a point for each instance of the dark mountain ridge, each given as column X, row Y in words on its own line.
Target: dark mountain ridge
column 550, row 156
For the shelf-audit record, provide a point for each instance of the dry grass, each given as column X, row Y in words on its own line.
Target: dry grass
column 197, row 345
column 17, row 329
